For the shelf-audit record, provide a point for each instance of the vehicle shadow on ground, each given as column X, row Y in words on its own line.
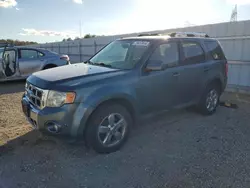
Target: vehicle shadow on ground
column 36, row 142
column 12, row 87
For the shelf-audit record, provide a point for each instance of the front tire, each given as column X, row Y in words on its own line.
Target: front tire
column 108, row 128
column 209, row 100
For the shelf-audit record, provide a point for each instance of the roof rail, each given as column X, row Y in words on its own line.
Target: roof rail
column 188, row 34
column 149, row 34
column 177, row 34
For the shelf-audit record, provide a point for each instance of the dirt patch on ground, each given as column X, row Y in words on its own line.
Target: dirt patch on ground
column 12, row 120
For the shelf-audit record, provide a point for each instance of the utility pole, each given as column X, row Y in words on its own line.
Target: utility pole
column 80, row 29
column 234, row 14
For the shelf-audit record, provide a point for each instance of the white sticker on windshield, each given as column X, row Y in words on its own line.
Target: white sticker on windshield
column 141, row 43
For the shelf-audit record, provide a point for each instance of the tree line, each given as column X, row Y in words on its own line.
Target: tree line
column 87, row 36
column 17, row 42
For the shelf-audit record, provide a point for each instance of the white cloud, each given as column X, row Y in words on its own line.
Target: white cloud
column 17, row 8
column 239, row 2
column 28, row 32
column 78, row 1
column 7, row 3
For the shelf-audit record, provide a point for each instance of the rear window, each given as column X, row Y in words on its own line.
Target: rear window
column 215, row 50
column 193, row 52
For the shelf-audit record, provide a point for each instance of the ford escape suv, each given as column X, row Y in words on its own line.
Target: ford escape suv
column 100, row 100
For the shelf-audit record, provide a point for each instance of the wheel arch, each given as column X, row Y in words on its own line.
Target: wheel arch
column 215, row 81
column 125, row 102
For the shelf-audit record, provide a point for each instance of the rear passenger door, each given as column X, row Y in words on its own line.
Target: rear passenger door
column 29, row 61
column 191, row 73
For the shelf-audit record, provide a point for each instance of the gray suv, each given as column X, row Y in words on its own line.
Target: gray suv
column 101, row 99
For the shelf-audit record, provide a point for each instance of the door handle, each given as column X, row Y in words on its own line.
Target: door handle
column 176, row 74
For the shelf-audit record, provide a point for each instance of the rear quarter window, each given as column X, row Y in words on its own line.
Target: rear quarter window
column 215, row 50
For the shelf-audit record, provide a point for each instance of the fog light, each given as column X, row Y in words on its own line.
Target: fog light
column 53, row 127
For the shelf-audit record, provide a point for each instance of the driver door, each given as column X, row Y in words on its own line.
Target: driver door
column 158, row 87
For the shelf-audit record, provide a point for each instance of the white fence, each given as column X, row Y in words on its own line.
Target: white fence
column 233, row 36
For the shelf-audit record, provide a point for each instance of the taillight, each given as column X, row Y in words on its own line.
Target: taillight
column 64, row 57
column 226, row 69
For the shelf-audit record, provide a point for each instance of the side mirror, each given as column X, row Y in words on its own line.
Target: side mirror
column 169, row 65
column 164, row 66
column 153, row 65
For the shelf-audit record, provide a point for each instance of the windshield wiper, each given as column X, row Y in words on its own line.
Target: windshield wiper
column 98, row 64
column 102, row 64
column 88, row 62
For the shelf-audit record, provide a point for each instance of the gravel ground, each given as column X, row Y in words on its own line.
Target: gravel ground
column 174, row 149
column 12, row 121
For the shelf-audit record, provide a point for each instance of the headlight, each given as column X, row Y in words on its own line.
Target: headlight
column 57, row 99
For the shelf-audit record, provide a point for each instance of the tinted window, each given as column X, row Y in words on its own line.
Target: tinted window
column 165, row 53
column 193, row 53
column 215, row 50
column 29, row 54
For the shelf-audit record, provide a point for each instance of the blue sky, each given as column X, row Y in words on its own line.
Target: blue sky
column 53, row 20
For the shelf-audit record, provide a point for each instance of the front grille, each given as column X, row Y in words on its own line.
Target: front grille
column 35, row 95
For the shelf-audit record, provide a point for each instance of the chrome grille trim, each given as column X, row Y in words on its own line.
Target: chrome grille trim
column 35, row 95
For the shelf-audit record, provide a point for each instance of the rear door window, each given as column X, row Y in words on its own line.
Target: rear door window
column 215, row 50
column 193, row 53
column 28, row 54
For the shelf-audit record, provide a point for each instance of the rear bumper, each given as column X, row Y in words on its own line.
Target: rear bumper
column 71, row 119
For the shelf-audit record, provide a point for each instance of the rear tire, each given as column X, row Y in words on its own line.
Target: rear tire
column 210, row 100
column 108, row 128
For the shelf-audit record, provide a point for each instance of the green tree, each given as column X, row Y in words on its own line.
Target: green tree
column 89, row 36
column 17, row 42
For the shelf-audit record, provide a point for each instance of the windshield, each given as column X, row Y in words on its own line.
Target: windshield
column 121, row 54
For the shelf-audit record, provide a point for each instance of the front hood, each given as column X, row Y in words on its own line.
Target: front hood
column 71, row 71
column 69, row 75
